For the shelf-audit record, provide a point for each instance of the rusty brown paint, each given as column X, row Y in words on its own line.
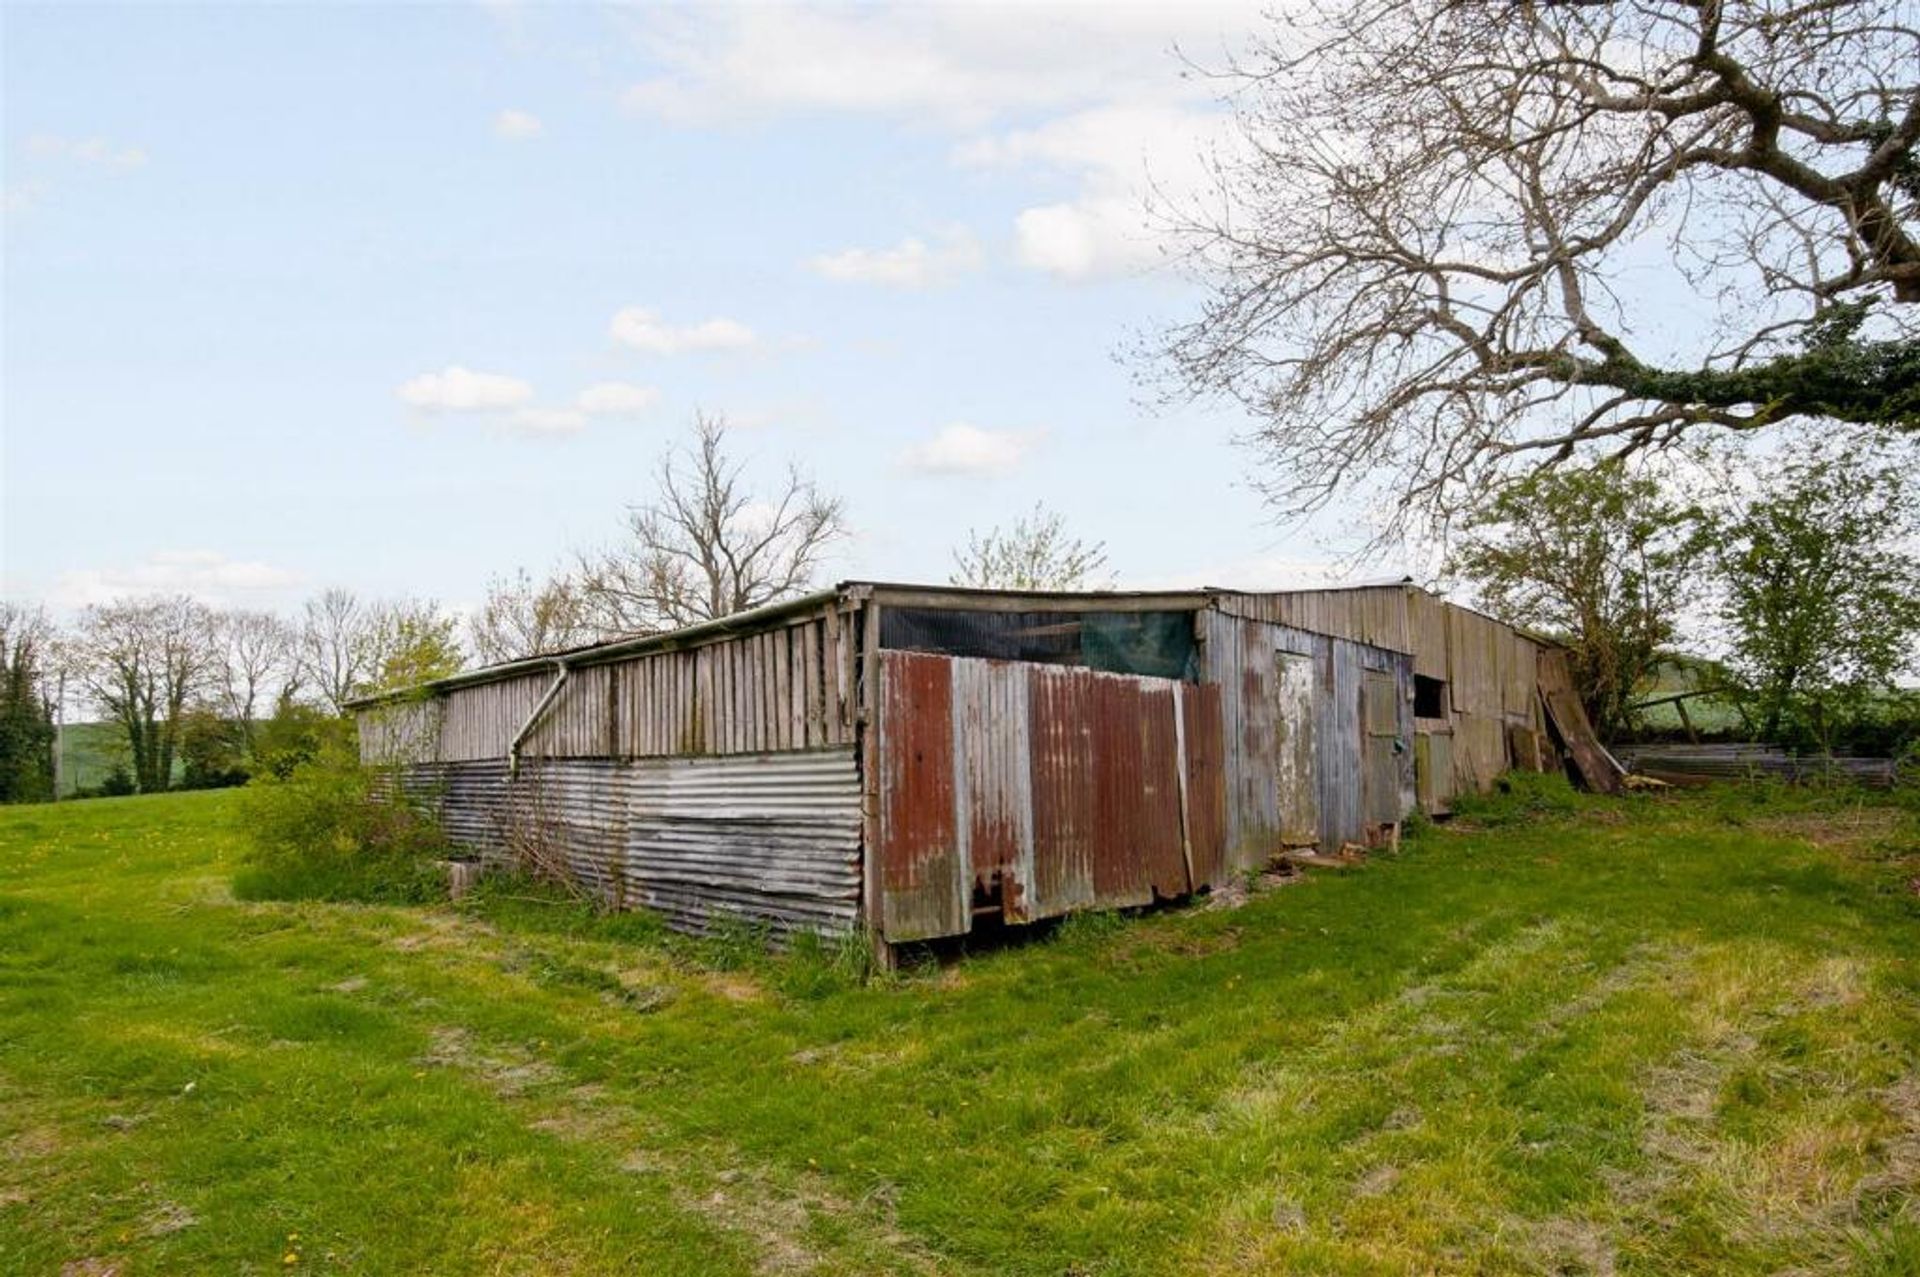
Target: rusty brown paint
column 1059, row 707
column 1137, row 852
column 1204, row 739
column 1047, row 789
column 996, row 816
column 921, row 874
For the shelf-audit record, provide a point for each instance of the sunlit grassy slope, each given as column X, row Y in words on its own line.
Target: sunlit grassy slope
column 1646, row 1036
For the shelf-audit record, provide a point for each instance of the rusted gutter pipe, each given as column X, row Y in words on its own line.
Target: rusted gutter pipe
column 560, row 671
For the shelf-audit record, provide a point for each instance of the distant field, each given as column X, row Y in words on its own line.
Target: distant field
column 88, row 753
column 1645, row 1036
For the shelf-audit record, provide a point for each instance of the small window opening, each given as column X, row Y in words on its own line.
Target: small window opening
column 1429, row 697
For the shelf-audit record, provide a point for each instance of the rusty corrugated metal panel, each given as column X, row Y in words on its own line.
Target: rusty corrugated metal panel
column 1203, row 741
column 924, row 878
column 1059, row 706
column 1046, row 789
column 992, row 792
column 1137, row 851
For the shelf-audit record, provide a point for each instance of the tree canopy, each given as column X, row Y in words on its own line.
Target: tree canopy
column 1453, row 242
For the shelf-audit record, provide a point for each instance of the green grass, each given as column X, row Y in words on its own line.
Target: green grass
column 1644, row 1036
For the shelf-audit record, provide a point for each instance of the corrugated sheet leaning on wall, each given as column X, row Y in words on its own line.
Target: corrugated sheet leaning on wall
column 771, row 839
column 1038, row 789
column 1361, row 755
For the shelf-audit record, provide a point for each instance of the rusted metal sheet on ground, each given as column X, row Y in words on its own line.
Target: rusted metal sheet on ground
column 924, row 877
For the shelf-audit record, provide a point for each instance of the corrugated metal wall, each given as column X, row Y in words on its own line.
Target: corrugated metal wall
column 1489, row 669
column 1355, row 785
column 1042, row 788
column 771, row 839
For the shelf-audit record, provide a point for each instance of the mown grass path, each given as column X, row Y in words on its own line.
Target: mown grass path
column 1650, row 1036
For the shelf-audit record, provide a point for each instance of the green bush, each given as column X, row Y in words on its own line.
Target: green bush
column 327, row 831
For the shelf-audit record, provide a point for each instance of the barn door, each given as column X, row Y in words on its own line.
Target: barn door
column 1380, row 712
column 1295, row 752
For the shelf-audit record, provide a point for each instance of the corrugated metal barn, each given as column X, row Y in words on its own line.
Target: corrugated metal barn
column 913, row 759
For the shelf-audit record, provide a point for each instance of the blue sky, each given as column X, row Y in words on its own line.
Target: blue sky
column 402, row 297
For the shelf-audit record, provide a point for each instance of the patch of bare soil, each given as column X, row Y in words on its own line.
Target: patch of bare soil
column 1236, row 891
column 1852, row 829
column 1377, row 1182
column 92, row 1266
column 507, row 1071
column 167, row 1218
column 1568, row 1246
column 733, row 986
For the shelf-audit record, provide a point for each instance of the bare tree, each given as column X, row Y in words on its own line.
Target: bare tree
column 522, row 617
column 142, row 660
column 1437, row 251
column 705, row 546
column 1034, row 554
column 334, row 647
column 256, row 663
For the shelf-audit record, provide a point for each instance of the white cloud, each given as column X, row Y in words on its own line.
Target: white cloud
column 960, row 63
column 642, row 329
column 912, row 263
column 517, row 126
column 205, row 574
column 1098, row 92
column 1121, row 155
column 616, row 399
column 548, row 421
column 963, row 449
column 457, row 389
column 21, row 196
column 91, row 150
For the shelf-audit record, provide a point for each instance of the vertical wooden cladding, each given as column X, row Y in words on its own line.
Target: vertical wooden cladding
column 479, row 722
column 1043, row 788
column 1302, row 766
column 790, row 687
column 1384, row 797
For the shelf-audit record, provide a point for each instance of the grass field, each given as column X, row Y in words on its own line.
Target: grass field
column 1639, row 1036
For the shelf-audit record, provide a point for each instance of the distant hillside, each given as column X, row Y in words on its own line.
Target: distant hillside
column 89, row 751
